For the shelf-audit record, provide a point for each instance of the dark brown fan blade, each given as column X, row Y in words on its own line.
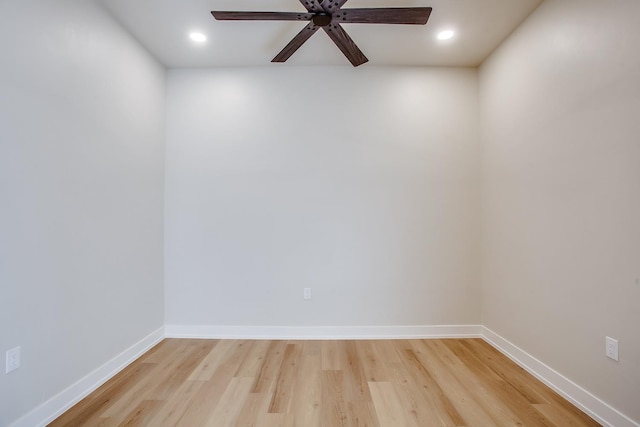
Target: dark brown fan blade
column 296, row 42
column 345, row 44
column 390, row 15
column 312, row 5
column 261, row 16
column 329, row 6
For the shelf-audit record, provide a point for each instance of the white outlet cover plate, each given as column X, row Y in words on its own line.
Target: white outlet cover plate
column 13, row 360
column 612, row 348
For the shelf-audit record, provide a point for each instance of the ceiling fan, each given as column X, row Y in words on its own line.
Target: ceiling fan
column 329, row 15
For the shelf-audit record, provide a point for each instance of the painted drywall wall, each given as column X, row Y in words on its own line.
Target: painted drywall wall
column 360, row 184
column 560, row 108
column 81, row 195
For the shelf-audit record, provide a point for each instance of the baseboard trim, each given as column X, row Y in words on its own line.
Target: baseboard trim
column 58, row 404
column 581, row 398
column 322, row 332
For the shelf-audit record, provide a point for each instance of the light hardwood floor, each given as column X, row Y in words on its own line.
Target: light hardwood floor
column 462, row 382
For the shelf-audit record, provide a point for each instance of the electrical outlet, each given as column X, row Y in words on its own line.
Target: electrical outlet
column 12, row 360
column 612, row 348
column 307, row 294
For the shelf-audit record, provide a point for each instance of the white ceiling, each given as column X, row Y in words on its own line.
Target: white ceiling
column 163, row 27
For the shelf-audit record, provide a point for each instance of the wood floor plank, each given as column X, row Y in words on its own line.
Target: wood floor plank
column 270, row 367
column 359, row 405
column 525, row 383
column 502, row 389
column 463, row 399
column 185, row 366
column 167, row 377
column 442, row 409
column 161, row 371
column 534, row 391
column 175, row 409
column 492, row 405
column 92, row 406
column 254, row 410
column 252, row 363
column 203, row 404
column 223, row 350
column 162, row 351
column 389, row 406
column 417, row 409
column 284, row 383
column 277, row 420
column 333, row 409
column 307, row 397
column 331, row 356
column 373, row 365
column 231, row 402
column 425, row 383
column 143, row 413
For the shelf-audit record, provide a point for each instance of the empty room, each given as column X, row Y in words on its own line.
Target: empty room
column 320, row 213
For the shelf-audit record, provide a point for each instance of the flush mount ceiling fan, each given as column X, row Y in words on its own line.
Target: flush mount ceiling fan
column 329, row 15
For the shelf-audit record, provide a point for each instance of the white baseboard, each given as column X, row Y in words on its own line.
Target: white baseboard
column 581, row 398
column 58, row 404
column 322, row 332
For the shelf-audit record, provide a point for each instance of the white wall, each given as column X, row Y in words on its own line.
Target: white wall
column 361, row 184
column 81, row 195
column 560, row 103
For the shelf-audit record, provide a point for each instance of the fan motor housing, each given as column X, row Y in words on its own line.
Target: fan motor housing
column 321, row 19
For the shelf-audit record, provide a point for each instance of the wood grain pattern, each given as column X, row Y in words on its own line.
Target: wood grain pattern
column 419, row 383
column 346, row 44
column 296, row 43
column 261, row 16
column 388, row 15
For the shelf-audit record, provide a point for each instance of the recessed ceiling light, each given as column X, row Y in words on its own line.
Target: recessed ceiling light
column 446, row 35
column 198, row 37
